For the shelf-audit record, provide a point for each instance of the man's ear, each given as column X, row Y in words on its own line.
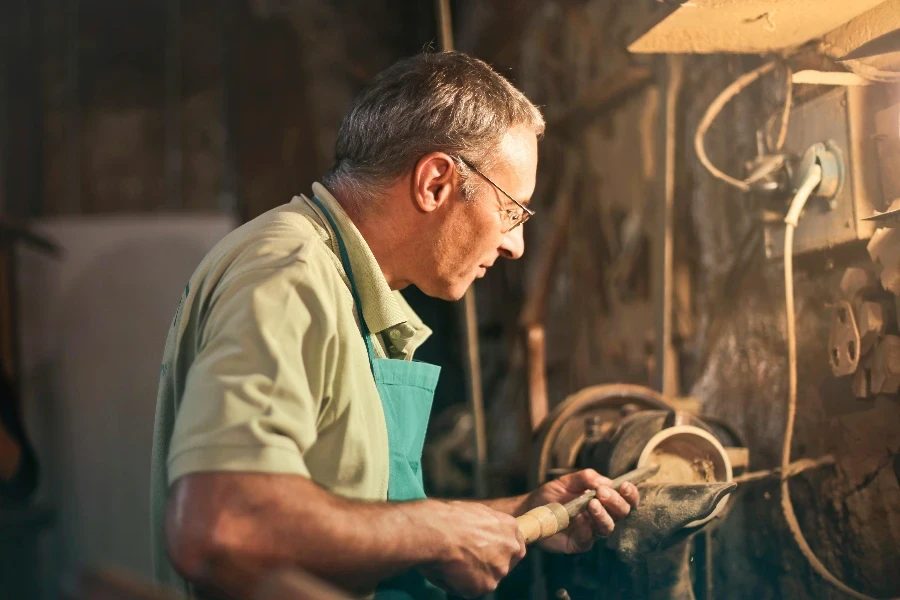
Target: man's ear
column 434, row 181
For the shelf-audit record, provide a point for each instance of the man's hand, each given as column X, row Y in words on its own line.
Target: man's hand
column 482, row 546
column 597, row 521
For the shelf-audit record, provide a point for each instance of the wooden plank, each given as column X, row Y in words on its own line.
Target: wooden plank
column 748, row 26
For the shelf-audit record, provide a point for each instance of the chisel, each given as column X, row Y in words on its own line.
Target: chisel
column 542, row 522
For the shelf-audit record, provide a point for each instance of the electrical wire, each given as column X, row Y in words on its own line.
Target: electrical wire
column 735, row 88
column 812, row 179
column 785, row 116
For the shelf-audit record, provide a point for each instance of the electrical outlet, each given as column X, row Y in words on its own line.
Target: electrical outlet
column 843, row 120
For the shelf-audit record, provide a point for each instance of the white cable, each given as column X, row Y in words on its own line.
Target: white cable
column 813, row 178
column 713, row 111
column 778, row 144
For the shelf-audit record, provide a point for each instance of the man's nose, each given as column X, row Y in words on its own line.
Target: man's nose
column 513, row 245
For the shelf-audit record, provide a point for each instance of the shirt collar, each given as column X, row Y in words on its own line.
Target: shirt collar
column 382, row 308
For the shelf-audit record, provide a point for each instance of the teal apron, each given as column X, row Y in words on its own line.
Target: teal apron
column 406, row 389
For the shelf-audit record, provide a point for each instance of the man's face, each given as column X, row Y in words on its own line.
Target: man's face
column 471, row 236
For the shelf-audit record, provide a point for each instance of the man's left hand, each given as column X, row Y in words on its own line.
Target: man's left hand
column 597, row 521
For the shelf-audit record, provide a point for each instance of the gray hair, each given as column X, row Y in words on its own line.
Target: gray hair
column 433, row 102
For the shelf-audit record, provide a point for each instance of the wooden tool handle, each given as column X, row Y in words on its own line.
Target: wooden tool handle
column 542, row 522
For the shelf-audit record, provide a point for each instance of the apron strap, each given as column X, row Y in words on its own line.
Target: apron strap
column 345, row 261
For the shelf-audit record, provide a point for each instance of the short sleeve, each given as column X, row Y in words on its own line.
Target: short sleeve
column 261, row 375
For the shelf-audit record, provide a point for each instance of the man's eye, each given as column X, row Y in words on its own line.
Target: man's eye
column 514, row 216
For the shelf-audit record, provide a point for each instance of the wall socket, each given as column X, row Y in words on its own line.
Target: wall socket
column 844, row 119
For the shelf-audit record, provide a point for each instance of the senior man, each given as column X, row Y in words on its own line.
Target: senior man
column 291, row 416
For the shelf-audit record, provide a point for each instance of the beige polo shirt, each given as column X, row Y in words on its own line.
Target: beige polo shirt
column 265, row 369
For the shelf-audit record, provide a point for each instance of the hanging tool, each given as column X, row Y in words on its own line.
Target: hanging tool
column 542, row 522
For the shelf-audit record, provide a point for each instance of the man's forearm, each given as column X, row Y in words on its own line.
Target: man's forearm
column 279, row 519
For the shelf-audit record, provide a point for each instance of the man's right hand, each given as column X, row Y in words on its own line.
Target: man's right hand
column 272, row 520
column 482, row 546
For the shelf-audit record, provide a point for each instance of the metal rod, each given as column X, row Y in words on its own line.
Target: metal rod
column 173, row 164
column 666, row 369
column 474, row 391
column 708, row 565
column 445, row 25
column 469, row 317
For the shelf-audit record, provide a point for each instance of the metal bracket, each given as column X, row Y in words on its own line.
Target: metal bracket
column 843, row 344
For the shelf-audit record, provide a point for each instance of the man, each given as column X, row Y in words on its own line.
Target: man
column 291, row 417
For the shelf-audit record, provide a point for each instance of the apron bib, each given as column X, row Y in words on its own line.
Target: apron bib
column 406, row 389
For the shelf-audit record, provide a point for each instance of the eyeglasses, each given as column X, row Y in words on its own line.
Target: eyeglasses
column 514, row 217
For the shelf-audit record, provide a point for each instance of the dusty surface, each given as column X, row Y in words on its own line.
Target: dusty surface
column 869, row 25
column 678, row 468
column 748, row 26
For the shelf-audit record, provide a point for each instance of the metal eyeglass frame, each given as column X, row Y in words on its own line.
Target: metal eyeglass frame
column 526, row 213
